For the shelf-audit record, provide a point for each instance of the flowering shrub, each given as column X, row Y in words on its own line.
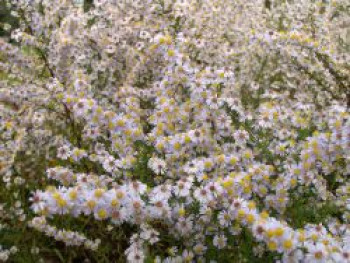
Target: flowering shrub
column 176, row 131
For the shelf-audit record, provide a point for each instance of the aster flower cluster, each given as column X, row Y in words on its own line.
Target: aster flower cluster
column 191, row 127
column 5, row 253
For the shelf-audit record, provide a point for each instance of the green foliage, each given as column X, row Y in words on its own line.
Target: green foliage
column 306, row 209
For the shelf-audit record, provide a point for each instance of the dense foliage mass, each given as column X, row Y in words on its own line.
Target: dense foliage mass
column 175, row 131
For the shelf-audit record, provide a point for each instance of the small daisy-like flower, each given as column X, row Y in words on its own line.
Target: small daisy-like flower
column 317, row 253
column 157, row 165
column 220, row 241
column 63, row 152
